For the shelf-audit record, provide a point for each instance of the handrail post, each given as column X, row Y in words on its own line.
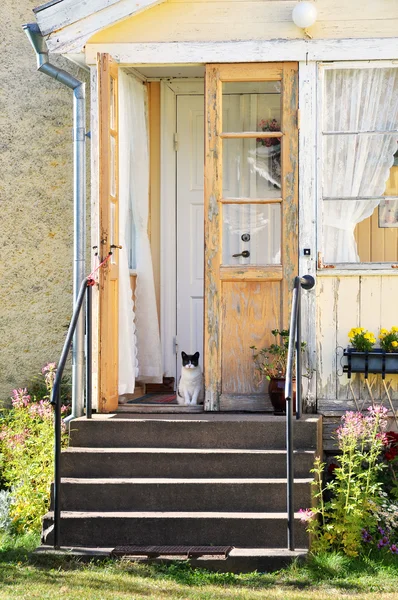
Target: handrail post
column 57, row 471
column 56, row 402
column 289, row 416
column 307, row 282
column 298, row 355
column 88, row 350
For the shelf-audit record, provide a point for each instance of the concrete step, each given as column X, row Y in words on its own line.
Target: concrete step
column 181, row 462
column 194, row 431
column 238, row 560
column 254, row 495
column 109, row 529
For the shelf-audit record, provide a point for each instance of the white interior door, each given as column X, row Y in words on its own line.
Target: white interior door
column 190, row 226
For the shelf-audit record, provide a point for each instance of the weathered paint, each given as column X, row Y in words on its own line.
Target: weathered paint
column 225, row 20
column 344, row 302
column 243, row 304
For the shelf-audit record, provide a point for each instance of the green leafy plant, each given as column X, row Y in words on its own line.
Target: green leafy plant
column 271, row 362
column 346, row 504
column 361, row 339
column 27, row 449
column 389, row 339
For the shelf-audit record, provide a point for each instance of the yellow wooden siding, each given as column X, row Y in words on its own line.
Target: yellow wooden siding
column 184, row 20
column 344, row 302
column 379, row 244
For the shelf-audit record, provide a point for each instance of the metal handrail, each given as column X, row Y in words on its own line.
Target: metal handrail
column 85, row 288
column 307, row 282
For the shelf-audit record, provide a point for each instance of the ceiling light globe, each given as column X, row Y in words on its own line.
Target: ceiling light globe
column 304, row 14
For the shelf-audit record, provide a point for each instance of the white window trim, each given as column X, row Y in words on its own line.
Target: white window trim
column 335, row 269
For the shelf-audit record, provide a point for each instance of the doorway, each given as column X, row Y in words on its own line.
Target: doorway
column 190, row 226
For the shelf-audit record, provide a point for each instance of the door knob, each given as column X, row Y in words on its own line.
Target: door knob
column 245, row 254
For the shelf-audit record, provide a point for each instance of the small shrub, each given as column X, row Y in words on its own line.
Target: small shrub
column 27, row 450
column 361, row 339
column 389, row 339
column 349, row 503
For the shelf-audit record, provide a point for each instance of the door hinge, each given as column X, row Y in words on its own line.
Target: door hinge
column 176, row 142
column 175, row 345
column 298, row 118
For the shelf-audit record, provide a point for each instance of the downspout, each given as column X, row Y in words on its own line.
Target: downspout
column 79, row 201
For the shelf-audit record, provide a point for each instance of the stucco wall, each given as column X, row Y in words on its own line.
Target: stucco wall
column 36, row 196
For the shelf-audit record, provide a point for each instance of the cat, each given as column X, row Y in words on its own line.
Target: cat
column 190, row 385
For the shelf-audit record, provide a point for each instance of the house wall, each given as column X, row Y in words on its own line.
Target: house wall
column 36, row 226
column 206, row 20
column 343, row 302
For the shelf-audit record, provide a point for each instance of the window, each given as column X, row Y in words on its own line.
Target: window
column 359, row 174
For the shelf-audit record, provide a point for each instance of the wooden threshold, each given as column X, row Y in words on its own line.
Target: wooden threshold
column 159, row 408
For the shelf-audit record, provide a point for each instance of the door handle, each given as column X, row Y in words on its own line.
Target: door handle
column 245, row 254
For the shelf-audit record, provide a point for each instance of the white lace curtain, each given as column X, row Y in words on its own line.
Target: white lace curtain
column 355, row 165
column 139, row 345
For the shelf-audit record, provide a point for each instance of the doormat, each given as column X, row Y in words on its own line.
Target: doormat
column 154, row 399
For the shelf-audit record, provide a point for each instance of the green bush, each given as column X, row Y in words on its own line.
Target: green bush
column 27, row 456
column 350, row 506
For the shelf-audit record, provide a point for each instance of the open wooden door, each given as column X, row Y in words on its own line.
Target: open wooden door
column 251, row 222
column 109, row 234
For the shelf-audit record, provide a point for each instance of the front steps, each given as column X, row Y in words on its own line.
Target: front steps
column 189, row 480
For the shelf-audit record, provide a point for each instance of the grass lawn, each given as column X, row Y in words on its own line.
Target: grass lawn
column 24, row 576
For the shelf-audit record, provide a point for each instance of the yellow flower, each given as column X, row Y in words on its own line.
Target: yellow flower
column 367, row 336
column 394, row 344
column 394, row 329
column 383, row 331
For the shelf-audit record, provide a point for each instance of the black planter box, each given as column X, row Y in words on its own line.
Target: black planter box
column 376, row 361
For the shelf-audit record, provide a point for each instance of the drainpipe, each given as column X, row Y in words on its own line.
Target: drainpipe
column 79, row 201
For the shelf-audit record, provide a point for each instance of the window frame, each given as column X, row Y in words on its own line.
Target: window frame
column 376, row 268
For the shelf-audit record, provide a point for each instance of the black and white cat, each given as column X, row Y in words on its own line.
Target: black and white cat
column 190, row 385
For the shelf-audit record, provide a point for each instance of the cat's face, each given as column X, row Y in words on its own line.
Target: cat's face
column 190, row 361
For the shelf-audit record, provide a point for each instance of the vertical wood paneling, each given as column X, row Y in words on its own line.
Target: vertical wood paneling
column 289, row 186
column 344, row 302
column 347, row 293
column 326, row 339
column 108, row 227
column 370, row 317
column 213, row 230
column 250, row 311
column 307, row 224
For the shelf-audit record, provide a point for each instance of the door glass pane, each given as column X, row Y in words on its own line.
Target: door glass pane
column 251, row 106
column 251, row 169
column 253, row 228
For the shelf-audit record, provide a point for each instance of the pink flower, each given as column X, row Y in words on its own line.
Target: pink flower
column 49, row 367
column 306, row 515
column 20, row 397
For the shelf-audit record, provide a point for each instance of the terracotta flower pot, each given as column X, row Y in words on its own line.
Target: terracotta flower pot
column 276, row 391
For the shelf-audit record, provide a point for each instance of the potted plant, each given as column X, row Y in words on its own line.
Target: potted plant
column 363, row 357
column 271, row 364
